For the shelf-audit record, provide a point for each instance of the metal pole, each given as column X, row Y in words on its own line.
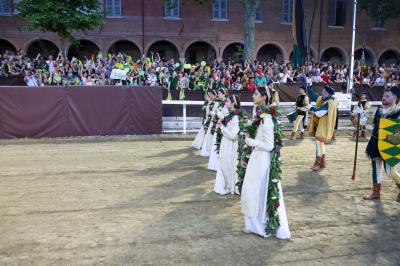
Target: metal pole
column 353, row 37
column 320, row 30
column 184, row 118
column 143, row 27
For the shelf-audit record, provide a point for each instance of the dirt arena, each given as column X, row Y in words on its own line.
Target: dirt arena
column 124, row 202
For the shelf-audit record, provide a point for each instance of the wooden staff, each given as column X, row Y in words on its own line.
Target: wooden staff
column 353, row 177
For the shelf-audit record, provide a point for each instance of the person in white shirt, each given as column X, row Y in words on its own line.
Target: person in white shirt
column 380, row 81
column 51, row 63
column 152, row 78
column 30, row 80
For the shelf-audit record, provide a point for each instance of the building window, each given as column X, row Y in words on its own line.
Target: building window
column 379, row 24
column 258, row 12
column 113, row 8
column 287, row 11
column 5, row 7
column 338, row 10
column 15, row 10
column 220, row 9
column 172, row 9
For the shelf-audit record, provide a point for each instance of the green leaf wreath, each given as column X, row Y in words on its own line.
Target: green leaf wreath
column 275, row 165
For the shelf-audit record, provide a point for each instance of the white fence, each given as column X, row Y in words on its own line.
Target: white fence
column 200, row 103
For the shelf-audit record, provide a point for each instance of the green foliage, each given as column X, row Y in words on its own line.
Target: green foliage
column 381, row 9
column 238, row 52
column 63, row 17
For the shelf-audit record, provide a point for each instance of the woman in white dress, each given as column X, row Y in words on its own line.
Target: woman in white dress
column 198, row 141
column 208, row 124
column 226, row 179
column 254, row 192
column 219, row 108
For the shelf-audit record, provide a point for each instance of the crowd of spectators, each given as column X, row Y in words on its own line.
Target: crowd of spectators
column 121, row 69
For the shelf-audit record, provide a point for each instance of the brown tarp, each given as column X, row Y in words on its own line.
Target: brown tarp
column 12, row 80
column 37, row 112
column 288, row 92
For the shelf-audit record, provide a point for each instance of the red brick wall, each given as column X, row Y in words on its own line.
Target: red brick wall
column 195, row 24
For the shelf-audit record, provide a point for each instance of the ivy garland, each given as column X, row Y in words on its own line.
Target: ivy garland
column 209, row 117
column 275, row 164
column 204, row 110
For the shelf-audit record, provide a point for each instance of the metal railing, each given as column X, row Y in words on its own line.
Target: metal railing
column 199, row 103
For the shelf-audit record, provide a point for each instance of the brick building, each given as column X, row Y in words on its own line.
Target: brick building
column 213, row 31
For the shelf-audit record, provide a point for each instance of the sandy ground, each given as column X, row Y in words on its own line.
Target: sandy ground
column 151, row 203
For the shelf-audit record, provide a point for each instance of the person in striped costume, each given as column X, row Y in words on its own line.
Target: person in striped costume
column 391, row 110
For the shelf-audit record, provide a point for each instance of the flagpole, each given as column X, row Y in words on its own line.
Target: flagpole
column 353, row 37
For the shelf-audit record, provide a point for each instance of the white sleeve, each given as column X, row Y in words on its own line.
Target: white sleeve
column 208, row 110
column 232, row 130
column 267, row 144
column 220, row 115
column 321, row 113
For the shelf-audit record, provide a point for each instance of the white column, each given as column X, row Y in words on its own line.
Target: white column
column 184, row 118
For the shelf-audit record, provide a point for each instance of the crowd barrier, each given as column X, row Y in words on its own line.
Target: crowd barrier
column 37, row 112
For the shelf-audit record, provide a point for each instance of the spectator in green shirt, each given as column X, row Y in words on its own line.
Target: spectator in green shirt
column 260, row 80
column 173, row 81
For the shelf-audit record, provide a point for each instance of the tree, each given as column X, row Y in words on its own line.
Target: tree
column 381, row 10
column 63, row 17
column 250, row 7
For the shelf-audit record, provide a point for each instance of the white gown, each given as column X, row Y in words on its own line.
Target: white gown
column 198, row 141
column 255, row 184
column 213, row 161
column 208, row 138
column 226, row 179
column 205, row 146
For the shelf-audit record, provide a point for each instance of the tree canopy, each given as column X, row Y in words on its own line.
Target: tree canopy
column 63, row 17
column 381, row 9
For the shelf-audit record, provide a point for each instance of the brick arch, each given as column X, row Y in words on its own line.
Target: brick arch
column 209, row 58
column 272, row 45
column 339, row 50
column 390, row 50
column 6, row 45
column 44, row 46
column 81, row 52
column 31, row 41
column 112, row 43
column 168, row 55
column 229, row 46
column 368, row 51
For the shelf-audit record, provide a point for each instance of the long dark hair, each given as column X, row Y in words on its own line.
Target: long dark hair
column 222, row 91
column 235, row 100
column 263, row 91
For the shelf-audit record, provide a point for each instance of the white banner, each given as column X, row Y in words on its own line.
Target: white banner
column 118, row 74
column 344, row 101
